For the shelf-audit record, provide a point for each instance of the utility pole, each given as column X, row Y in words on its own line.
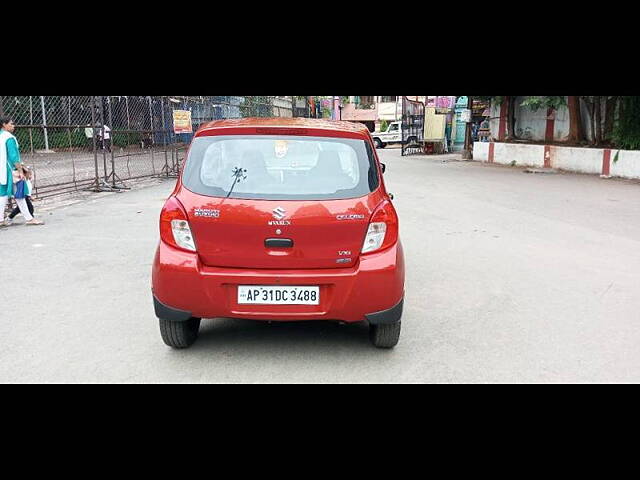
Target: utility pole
column 44, row 123
column 396, row 114
column 467, row 154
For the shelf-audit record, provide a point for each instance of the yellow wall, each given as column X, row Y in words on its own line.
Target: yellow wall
column 434, row 125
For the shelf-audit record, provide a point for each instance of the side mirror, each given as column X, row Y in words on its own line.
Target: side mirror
column 384, row 167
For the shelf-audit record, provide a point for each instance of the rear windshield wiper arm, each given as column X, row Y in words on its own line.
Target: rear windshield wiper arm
column 238, row 175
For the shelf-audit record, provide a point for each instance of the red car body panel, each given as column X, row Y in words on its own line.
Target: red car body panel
column 231, row 249
column 236, row 238
column 374, row 284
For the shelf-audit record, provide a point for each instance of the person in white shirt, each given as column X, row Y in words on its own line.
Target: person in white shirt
column 105, row 138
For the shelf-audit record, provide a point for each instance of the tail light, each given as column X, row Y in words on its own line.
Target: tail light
column 383, row 229
column 174, row 226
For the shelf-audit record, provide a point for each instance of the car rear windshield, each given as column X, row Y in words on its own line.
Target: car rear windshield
column 280, row 168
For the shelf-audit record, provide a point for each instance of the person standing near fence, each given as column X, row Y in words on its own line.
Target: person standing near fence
column 9, row 160
column 104, row 138
column 28, row 188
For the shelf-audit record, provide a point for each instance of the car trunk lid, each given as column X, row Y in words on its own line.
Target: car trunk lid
column 278, row 234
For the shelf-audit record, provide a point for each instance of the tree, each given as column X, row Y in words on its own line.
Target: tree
column 612, row 119
column 626, row 131
column 553, row 102
column 575, row 120
column 611, row 106
column 511, row 118
column 257, row 107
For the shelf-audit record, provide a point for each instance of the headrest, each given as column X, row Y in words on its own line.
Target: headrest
column 329, row 162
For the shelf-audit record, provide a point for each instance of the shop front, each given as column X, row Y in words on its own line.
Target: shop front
column 438, row 123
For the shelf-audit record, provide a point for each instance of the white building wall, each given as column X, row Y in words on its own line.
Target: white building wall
column 390, row 111
column 530, row 125
column 628, row 164
column 494, row 120
column 562, row 125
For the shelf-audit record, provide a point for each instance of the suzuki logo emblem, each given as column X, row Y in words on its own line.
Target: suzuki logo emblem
column 279, row 213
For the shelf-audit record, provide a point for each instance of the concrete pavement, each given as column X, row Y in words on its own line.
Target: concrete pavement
column 511, row 277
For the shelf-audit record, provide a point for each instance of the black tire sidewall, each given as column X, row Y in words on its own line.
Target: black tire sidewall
column 385, row 335
column 181, row 334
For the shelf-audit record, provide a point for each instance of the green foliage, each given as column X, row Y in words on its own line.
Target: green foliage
column 538, row 102
column 384, row 125
column 59, row 139
column 496, row 100
column 124, row 140
column 258, row 106
column 626, row 134
column 64, row 140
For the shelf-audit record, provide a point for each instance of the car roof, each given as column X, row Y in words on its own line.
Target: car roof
column 338, row 127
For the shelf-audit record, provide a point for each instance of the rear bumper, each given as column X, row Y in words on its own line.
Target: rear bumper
column 183, row 286
column 391, row 315
column 168, row 313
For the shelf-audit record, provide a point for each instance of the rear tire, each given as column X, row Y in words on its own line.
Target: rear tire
column 385, row 335
column 378, row 143
column 179, row 334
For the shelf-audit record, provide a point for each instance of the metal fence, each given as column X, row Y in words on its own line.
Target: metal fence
column 412, row 126
column 100, row 143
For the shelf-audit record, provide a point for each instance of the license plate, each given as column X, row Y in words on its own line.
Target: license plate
column 278, row 295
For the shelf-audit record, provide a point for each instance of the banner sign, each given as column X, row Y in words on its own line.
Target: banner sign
column 445, row 104
column 182, row 121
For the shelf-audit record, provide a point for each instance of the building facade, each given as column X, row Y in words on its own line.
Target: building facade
column 372, row 110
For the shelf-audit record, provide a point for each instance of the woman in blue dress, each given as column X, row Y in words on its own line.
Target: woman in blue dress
column 9, row 158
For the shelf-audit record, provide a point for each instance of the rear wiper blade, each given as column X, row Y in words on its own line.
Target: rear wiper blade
column 238, row 175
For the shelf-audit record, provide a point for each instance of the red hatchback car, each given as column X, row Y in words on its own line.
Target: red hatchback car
column 279, row 219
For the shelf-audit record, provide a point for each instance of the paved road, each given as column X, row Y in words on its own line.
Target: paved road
column 511, row 277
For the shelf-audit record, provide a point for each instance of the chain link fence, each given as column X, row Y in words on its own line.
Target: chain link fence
column 99, row 143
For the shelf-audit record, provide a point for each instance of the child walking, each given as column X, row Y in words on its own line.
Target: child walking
column 9, row 159
column 25, row 189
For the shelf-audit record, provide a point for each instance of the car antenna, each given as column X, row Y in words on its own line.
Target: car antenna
column 239, row 174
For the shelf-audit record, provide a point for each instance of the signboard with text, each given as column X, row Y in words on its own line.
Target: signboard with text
column 445, row 104
column 182, row 121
